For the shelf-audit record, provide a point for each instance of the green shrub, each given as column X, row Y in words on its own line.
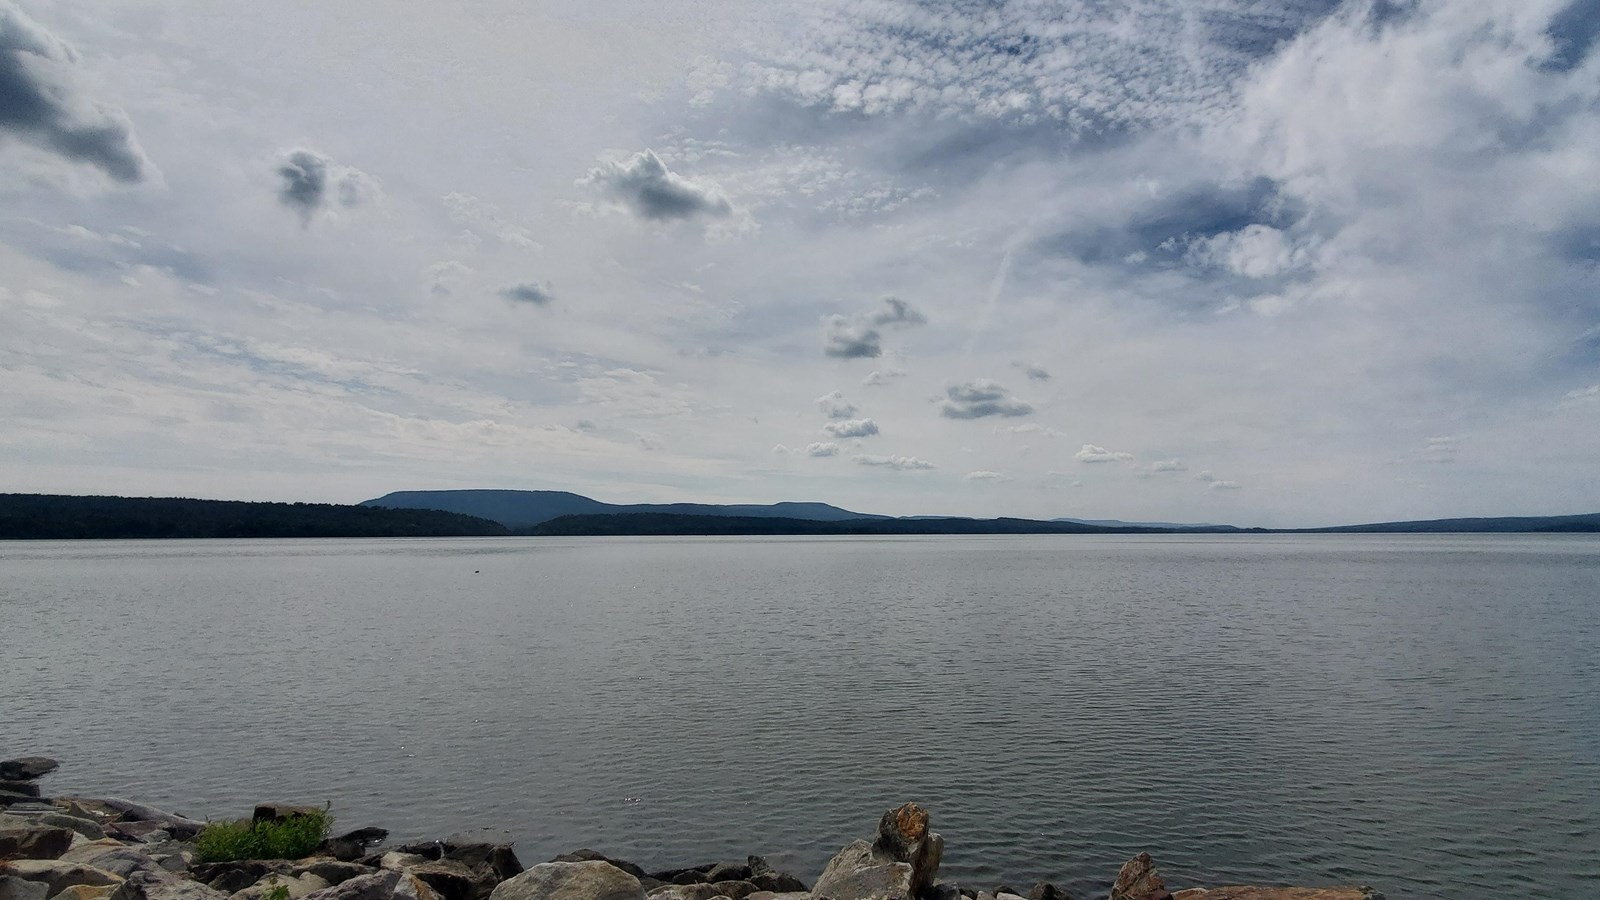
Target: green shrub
column 291, row 838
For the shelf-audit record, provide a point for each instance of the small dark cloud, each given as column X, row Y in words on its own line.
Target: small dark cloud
column 652, row 191
column 852, row 428
column 310, row 181
column 39, row 103
column 1034, row 371
column 980, row 398
column 529, row 292
column 845, row 339
column 898, row 312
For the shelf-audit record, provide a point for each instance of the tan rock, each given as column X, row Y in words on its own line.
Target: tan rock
column 57, row 875
column 1138, row 880
column 88, row 892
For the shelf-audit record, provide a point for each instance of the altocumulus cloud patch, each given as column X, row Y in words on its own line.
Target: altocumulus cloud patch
column 310, row 182
column 537, row 294
column 40, row 103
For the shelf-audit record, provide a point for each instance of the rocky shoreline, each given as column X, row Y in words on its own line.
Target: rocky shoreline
column 107, row 848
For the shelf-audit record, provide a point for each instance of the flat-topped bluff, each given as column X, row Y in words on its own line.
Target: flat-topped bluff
column 80, row 848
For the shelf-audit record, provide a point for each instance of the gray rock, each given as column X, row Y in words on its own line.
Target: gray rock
column 25, row 788
column 86, row 827
column 57, row 875
column 1044, row 890
column 728, row 871
column 277, row 812
column 296, row 886
column 1138, row 880
column 450, row 879
column 161, row 885
column 237, row 874
column 14, row 888
column 399, row 862
column 34, row 842
column 944, row 890
column 333, row 871
column 182, row 828
column 410, row 887
column 778, row 883
column 123, row 861
column 683, row 892
column 377, row 886
column 900, row 864
column 596, row 856
column 592, row 880
column 27, row 768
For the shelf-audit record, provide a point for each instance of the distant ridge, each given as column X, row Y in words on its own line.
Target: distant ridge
column 62, row 517
column 525, row 509
column 641, row 524
column 1588, row 522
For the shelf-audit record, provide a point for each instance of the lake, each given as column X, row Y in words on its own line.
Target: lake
column 1421, row 713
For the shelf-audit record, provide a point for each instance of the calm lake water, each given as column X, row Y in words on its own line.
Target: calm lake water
column 1418, row 713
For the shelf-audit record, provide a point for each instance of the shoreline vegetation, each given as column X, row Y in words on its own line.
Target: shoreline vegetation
column 80, row 848
column 67, row 517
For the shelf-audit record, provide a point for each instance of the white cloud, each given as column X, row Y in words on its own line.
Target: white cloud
column 983, row 475
column 881, row 377
column 835, row 406
column 845, row 339
column 820, row 448
column 647, row 188
column 852, row 428
column 897, row 312
column 899, row 463
column 1093, row 454
column 1030, row 428
column 1168, row 465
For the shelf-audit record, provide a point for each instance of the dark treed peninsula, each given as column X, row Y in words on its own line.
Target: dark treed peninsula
column 64, row 517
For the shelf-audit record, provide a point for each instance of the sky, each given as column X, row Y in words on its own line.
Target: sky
column 1287, row 263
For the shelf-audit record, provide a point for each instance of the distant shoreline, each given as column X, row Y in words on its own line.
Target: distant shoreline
column 67, row 517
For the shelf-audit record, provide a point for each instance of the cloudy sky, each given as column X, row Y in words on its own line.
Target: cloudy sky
column 1297, row 262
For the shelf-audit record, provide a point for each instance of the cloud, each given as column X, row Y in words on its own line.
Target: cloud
column 645, row 185
column 835, row 406
column 1440, row 450
column 845, row 339
column 897, row 312
column 822, row 448
column 1034, row 371
column 1031, row 428
column 1168, row 465
column 980, row 398
column 529, row 292
column 983, row 475
column 1591, row 392
column 447, row 278
column 1216, row 484
column 1093, row 454
column 311, row 183
column 881, row 377
column 40, row 104
column 898, row 463
column 852, row 428
column 1255, row 251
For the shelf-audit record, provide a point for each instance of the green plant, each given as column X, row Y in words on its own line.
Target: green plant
column 276, row 892
column 293, row 837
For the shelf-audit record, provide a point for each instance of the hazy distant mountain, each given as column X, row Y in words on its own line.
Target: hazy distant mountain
column 1118, row 523
column 1588, row 522
column 525, row 509
column 669, row 524
column 60, row 517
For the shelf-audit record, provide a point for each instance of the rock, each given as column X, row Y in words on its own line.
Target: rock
column 489, row 863
column 399, row 862
column 164, row 886
column 778, row 883
column 57, row 875
column 295, row 886
column 34, row 842
column 143, row 832
column 683, row 892
column 1044, row 890
column 450, row 879
column 377, row 886
column 82, row 853
column 27, row 768
column 726, row 871
column 14, row 798
column 93, row 892
column 333, row 871
column 277, row 812
column 181, row 827
column 86, row 827
column 596, row 856
column 15, row 888
column 780, row 895
column 237, row 874
column 1008, row 895
column 593, row 880
column 122, row 861
column 900, row 864
column 26, row 788
column 410, row 887
column 1137, row 880
column 1274, row 892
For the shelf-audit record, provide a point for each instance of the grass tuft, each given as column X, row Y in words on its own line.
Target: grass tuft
column 293, row 838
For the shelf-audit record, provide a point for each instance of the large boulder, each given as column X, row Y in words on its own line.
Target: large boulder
column 57, row 875
column 377, row 886
column 293, row 887
column 1138, row 880
column 27, row 768
column 591, row 880
column 123, row 861
column 52, row 816
column 235, row 875
column 21, row 788
column 450, row 879
column 333, row 871
column 13, row 887
column 161, row 885
column 94, row 892
column 587, row 855
column 352, row 845
column 900, row 864
column 1044, row 890
column 34, row 842
column 181, row 827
